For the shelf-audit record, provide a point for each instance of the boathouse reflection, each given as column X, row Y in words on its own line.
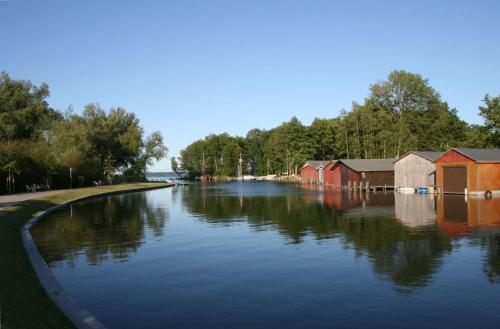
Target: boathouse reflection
column 457, row 215
column 415, row 210
column 395, row 232
column 363, row 222
column 480, row 219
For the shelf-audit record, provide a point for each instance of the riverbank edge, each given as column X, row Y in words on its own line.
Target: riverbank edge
column 80, row 318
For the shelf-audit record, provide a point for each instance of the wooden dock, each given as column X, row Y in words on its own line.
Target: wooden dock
column 367, row 187
column 381, row 188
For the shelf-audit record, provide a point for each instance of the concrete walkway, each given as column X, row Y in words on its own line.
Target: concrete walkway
column 11, row 199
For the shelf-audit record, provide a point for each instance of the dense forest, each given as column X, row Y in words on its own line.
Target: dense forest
column 400, row 114
column 41, row 145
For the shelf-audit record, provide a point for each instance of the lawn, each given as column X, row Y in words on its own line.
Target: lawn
column 23, row 301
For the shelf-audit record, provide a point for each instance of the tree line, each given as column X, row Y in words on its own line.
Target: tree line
column 400, row 114
column 42, row 145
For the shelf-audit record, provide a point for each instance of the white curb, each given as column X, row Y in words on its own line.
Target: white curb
column 80, row 317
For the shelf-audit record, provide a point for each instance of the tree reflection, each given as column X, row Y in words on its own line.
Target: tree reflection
column 394, row 232
column 100, row 228
column 491, row 265
column 363, row 222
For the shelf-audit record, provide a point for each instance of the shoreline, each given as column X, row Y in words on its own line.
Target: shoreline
column 30, row 294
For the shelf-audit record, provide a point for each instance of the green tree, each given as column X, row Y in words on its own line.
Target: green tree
column 401, row 114
column 230, row 156
column 322, row 132
column 24, row 111
column 403, row 94
column 290, row 146
column 117, row 133
column 109, row 167
column 25, row 119
column 491, row 115
column 44, row 144
column 256, row 141
column 174, row 164
column 71, row 146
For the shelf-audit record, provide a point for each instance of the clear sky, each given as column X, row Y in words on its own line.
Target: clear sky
column 190, row 68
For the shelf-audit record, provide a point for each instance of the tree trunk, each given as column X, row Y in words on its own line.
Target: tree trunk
column 359, row 140
column 400, row 138
column 346, row 142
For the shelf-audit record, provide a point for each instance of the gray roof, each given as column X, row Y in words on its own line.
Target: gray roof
column 431, row 156
column 317, row 163
column 370, row 164
column 480, row 155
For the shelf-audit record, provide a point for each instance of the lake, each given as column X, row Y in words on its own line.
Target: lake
column 267, row 255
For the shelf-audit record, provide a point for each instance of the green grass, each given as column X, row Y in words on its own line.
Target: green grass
column 23, row 301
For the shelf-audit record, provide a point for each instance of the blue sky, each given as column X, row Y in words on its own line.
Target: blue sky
column 190, row 68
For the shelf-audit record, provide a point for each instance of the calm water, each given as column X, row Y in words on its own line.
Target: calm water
column 263, row 255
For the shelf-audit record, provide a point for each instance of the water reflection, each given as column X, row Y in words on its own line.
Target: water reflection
column 491, row 257
column 415, row 210
column 479, row 220
column 396, row 231
column 107, row 227
column 258, row 255
column 363, row 221
column 405, row 237
column 457, row 215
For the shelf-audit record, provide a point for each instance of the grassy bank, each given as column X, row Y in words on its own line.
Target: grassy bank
column 23, row 301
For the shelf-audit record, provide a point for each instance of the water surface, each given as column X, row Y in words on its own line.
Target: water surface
column 264, row 255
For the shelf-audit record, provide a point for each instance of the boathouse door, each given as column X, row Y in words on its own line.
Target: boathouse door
column 454, row 179
column 321, row 175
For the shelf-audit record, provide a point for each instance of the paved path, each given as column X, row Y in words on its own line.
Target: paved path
column 11, row 199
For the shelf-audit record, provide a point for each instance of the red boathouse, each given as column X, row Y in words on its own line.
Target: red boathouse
column 340, row 175
column 313, row 172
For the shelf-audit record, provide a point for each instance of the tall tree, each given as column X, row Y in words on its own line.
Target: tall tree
column 403, row 94
column 491, row 115
column 117, row 134
column 256, row 141
column 322, row 132
column 174, row 164
column 401, row 114
column 24, row 111
column 25, row 119
column 289, row 146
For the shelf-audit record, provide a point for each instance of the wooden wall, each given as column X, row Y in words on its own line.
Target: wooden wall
column 379, row 178
column 481, row 177
column 349, row 175
column 414, row 171
column 339, row 175
column 487, row 177
column 329, row 176
column 309, row 175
